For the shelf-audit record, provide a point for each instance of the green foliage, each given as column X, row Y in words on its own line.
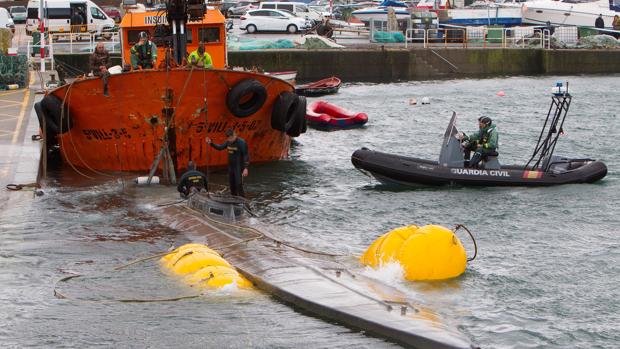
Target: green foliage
column 14, row 70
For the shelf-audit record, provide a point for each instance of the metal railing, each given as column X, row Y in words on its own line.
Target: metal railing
column 482, row 37
column 445, row 37
column 33, row 55
column 83, row 42
column 415, row 35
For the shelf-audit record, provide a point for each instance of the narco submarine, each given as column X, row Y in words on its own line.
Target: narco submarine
column 542, row 169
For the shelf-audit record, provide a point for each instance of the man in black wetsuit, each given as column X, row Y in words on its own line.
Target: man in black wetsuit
column 192, row 179
column 238, row 160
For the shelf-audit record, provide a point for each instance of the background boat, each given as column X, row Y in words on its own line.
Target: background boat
column 380, row 12
column 319, row 88
column 125, row 131
column 482, row 13
column 569, row 12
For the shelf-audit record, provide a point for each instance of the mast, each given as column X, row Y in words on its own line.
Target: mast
column 552, row 128
column 179, row 12
column 42, row 30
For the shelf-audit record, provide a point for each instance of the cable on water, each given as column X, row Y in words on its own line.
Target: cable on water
column 65, row 279
column 459, row 226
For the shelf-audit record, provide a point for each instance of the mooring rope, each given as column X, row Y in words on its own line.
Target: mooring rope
column 459, row 226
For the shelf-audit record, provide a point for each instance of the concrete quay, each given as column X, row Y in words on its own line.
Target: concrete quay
column 383, row 64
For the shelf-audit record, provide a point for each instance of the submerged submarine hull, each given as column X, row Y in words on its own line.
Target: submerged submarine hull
column 320, row 284
column 391, row 168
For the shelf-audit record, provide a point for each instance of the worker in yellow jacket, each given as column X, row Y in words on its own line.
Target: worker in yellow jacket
column 200, row 57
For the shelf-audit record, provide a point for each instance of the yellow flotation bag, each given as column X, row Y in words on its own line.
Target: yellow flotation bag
column 203, row 267
column 431, row 252
column 387, row 247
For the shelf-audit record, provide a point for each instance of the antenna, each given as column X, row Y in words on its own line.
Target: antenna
column 552, row 128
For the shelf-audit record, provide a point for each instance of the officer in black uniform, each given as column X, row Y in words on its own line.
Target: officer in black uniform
column 192, row 180
column 238, row 160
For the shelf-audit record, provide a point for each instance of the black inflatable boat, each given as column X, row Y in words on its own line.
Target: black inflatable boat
column 543, row 168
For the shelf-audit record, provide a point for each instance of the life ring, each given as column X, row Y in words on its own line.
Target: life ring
column 246, row 98
column 283, row 109
column 295, row 125
column 57, row 121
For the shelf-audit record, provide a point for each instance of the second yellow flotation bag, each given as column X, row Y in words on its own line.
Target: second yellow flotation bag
column 203, row 267
column 431, row 252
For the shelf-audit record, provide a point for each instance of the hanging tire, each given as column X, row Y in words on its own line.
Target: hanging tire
column 246, row 98
column 47, row 125
column 295, row 125
column 57, row 121
column 283, row 110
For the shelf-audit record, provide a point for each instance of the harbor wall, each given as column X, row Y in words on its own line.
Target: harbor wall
column 385, row 65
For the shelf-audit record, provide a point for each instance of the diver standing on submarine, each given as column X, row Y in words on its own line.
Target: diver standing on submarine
column 238, row 160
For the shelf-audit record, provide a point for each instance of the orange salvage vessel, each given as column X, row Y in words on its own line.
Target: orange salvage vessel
column 172, row 109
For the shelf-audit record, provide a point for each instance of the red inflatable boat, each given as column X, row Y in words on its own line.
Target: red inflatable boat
column 321, row 114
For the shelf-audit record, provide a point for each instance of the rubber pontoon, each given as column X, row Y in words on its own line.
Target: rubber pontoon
column 318, row 283
column 543, row 168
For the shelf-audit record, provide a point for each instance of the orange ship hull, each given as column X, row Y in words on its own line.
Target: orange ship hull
column 125, row 130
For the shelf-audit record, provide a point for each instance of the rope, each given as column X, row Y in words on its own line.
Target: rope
column 189, row 76
column 60, row 295
column 62, row 139
column 16, row 187
column 139, row 260
column 206, row 106
column 261, row 235
column 459, row 226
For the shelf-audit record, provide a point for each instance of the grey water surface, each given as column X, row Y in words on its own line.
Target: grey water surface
column 546, row 275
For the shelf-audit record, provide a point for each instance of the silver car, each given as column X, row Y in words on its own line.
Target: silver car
column 18, row 13
column 241, row 8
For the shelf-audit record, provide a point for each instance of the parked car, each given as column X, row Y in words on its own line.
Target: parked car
column 298, row 8
column 273, row 20
column 59, row 17
column 241, row 8
column 5, row 20
column 18, row 13
column 112, row 12
column 225, row 5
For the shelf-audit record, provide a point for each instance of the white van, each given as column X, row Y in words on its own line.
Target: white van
column 298, row 8
column 60, row 15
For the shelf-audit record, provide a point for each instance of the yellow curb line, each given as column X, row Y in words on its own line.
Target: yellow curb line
column 22, row 111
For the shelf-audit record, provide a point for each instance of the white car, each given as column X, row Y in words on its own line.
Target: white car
column 6, row 21
column 272, row 20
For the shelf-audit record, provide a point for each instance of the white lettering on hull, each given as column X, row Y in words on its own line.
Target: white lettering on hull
column 478, row 172
column 155, row 20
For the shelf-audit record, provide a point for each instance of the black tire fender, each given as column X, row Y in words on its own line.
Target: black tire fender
column 45, row 121
column 283, row 110
column 47, row 125
column 58, row 121
column 246, row 98
column 297, row 122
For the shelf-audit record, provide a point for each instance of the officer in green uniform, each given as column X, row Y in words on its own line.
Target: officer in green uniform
column 238, row 160
column 144, row 53
column 483, row 142
column 200, row 57
column 192, row 180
